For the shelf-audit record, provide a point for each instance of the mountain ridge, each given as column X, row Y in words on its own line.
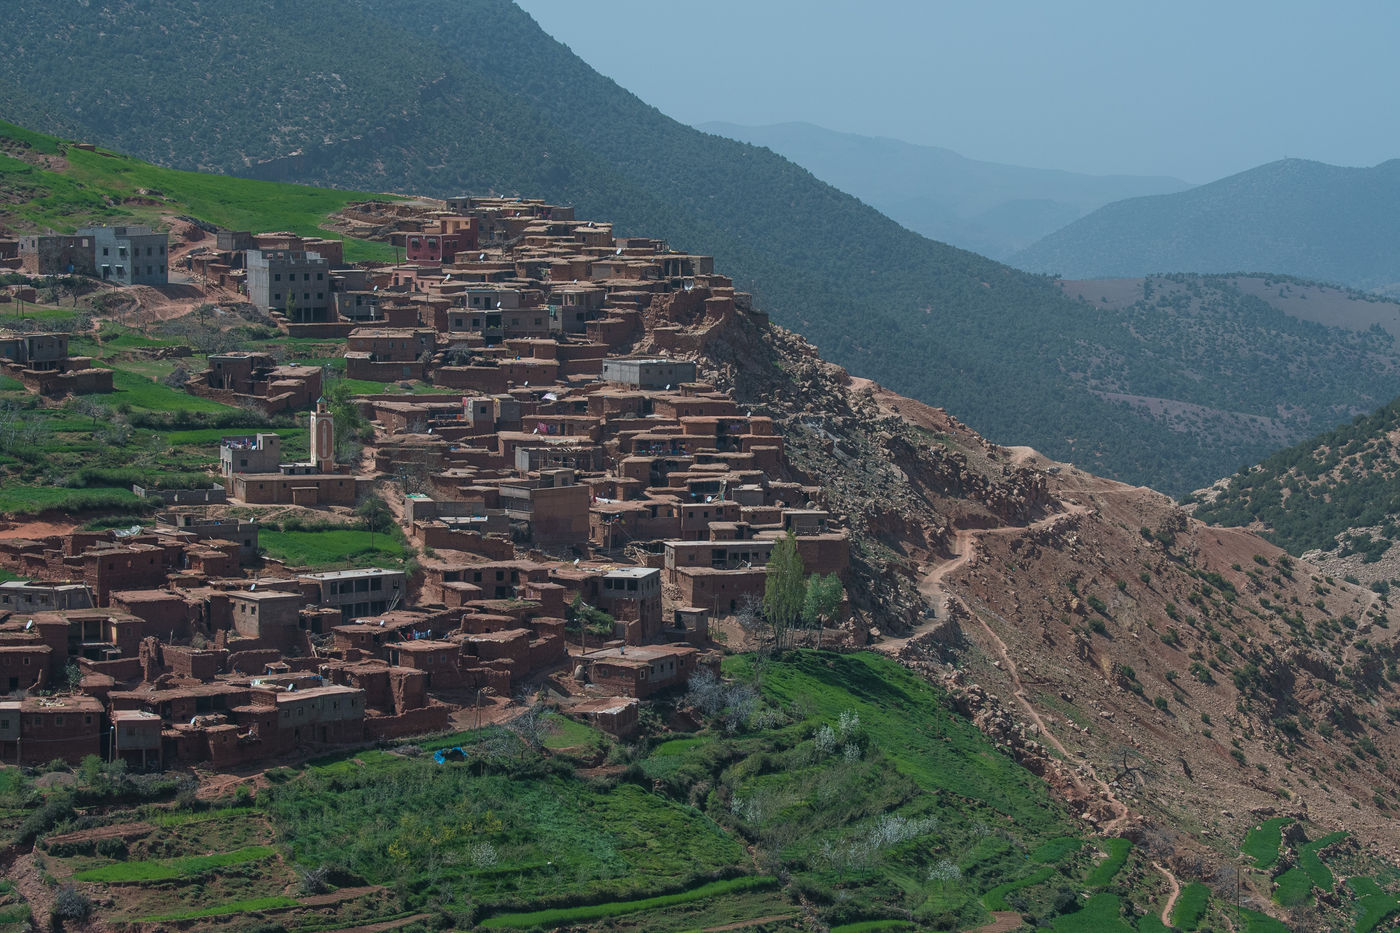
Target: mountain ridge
column 1292, row 216
column 989, row 207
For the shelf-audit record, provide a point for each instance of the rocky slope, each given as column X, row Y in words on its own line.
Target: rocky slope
column 1176, row 681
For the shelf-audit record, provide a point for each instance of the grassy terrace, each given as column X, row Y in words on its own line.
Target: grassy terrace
column 103, row 187
column 847, row 787
column 657, row 846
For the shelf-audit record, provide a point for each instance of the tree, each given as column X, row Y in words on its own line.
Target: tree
column 784, row 589
column 822, row 601
column 352, row 429
column 375, row 513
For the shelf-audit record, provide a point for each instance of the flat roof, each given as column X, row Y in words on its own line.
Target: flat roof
column 641, row 653
column 133, row 715
column 347, row 574
column 635, row 573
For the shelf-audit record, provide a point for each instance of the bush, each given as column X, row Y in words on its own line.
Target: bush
column 57, row 809
column 112, row 847
column 71, row 904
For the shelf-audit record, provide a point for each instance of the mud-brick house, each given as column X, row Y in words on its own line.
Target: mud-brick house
column 39, row 729
column 642, row 671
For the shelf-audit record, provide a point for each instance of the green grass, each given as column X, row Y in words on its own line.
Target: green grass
column 920, row 738
column 1057, row 849
column 1362, row 886
column 874, row 926
column 167, row 869
column 1104, row 872
column 1102, row 913
column 1191, row 906
column 31, row 500
column 995, row 899
column 569, row 733
column 396, row 821
column 1311, row 862
column 86, row 192
column 1263, row 841
column 1294, row 888
column 141, row 393
column 582, row 914
column 233, row 907
column 1373, row 908
column 173, row 818
column 1151, row 923
column 212, row 436
column 678, row 746
column 918, row 762
column 1255, row 922
column 333, row 546
column 15, row 917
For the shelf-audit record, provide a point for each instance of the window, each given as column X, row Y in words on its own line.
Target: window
column 306, row 276
column 320, row 276
column 276, row 276
column 104, row 251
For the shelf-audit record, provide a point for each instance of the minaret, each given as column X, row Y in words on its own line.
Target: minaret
column 323, row 438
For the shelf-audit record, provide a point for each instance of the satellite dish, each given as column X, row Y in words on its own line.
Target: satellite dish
column 619, row 251
column 481, row 258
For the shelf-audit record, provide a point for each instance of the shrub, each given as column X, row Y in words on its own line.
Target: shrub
column 111, row 847
column 71, row 904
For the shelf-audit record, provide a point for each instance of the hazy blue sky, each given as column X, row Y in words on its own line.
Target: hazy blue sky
column 1193, row 89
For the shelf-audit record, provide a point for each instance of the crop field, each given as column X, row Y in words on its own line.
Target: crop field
column 848, row 787
column 333, row 547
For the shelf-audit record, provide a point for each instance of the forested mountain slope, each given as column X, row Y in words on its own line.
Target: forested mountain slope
column 987, row 207
column 1339, row 488
column 472, row 96
column 1293, row 216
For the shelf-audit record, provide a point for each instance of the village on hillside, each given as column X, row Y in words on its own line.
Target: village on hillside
column 587, row 509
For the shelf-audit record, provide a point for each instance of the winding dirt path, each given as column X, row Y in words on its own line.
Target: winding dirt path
column 931, row 586
column 1175, row 892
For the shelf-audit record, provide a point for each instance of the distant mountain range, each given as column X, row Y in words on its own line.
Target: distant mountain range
column 1297, row 217
column 986, row 207
column 472, row 96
